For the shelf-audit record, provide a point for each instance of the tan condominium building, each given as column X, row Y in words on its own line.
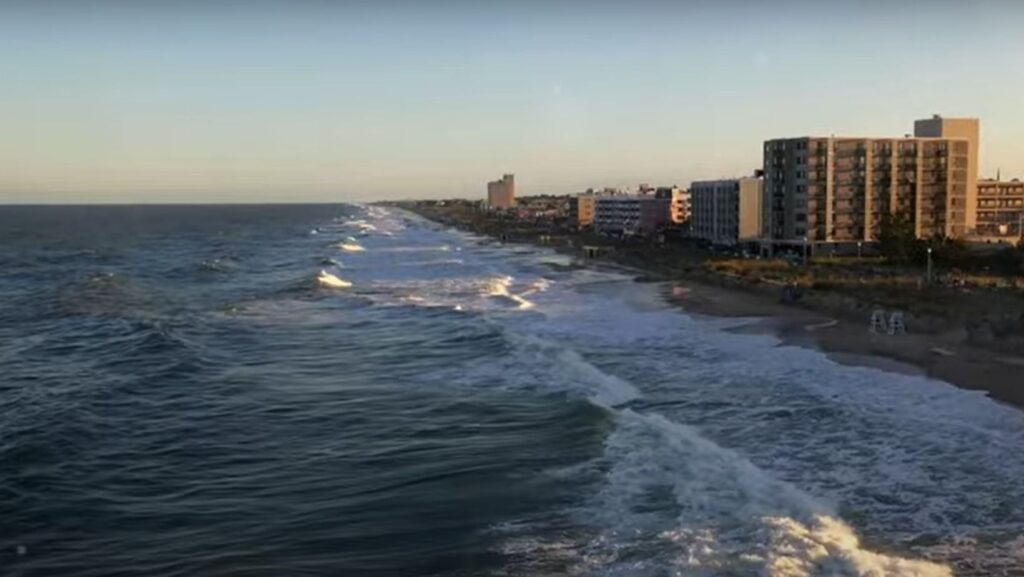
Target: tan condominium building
column 502, row 193
column 726, row 211
column 581, row 210
column 968, row 129
column 1000, row 209
column 837, row 189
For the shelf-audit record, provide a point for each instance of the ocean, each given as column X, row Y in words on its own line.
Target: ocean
column 352, row 390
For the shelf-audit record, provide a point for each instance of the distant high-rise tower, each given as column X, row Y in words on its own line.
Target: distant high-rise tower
column 502, row 193
column 967, row 129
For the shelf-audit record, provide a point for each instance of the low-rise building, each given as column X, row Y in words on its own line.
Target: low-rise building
column 1000, row 209
column 618, row 214
column 631, row 214
column 581, row 210
column 502, row 193
column 726, row 211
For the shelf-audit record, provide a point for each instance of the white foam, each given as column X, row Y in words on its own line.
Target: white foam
column 730, row 516
column 406, row 249
column 566, row 369
column 329, row 280
column 350, row 246
column 787, row 438
column 499, row 287
column 727, row 515
column 538, row 286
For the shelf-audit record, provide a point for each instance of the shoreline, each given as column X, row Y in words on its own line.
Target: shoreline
column 943, row 355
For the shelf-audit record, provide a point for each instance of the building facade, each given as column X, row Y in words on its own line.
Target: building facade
column 581, row 210
column 502, row 193
column 1000, row 210
column 726, row 211
column 679, row 202
column 968, row 129
column 631, row 214
column 837, row 189
column 619, row 214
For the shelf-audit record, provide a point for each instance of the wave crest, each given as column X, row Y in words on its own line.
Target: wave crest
column 327, row 279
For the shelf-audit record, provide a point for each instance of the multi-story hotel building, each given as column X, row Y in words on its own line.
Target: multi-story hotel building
column 1000, row 209
column 502, row 193
column 837, row 189
column 726, row 211
column 968, row 129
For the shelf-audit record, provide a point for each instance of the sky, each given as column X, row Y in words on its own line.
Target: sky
column 311, row 100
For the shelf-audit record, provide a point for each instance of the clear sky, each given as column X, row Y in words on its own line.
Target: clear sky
column 303, row 100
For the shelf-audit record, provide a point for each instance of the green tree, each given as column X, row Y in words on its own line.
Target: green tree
column 950, row 252
column 896, row 239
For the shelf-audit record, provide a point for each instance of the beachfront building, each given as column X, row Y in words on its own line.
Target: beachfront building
column 679, row 202
column 968, row 129
column 835, row 190
column 726, row 211
column 619, row 214
column 1000, row 210
column 631, row 214
column 581, row 210
column 502, row 193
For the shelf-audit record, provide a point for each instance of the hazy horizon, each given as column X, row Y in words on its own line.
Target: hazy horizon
column 312, row 101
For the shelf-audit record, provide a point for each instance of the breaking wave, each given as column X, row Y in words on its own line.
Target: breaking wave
column 350, row 246
column 731, row 516
column 327, row 279
column 498, row 287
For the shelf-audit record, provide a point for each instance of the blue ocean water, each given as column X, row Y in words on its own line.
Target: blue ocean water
column 352, row 390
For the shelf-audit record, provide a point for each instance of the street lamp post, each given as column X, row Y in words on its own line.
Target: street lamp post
column 929, row 265
column 859, row 245
column 805, row 251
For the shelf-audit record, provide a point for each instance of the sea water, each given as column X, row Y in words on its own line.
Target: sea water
column 243, row 391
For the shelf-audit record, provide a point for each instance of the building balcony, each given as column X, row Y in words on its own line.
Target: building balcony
column 848, row 210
